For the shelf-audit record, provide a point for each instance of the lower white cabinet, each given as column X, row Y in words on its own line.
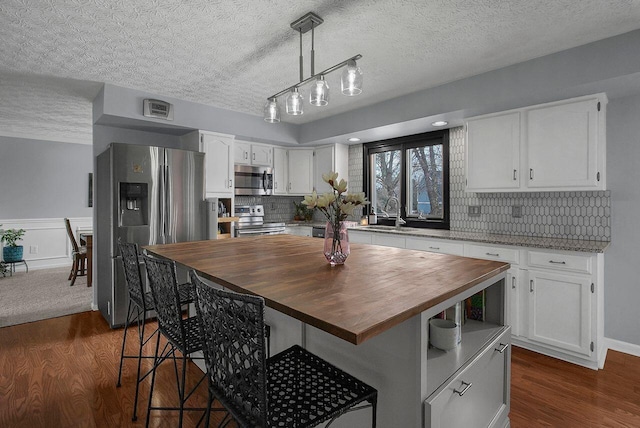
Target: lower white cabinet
column 515, row 301
column 478, row 394
column 560, row 311
column 442, row 246
column 554, row 299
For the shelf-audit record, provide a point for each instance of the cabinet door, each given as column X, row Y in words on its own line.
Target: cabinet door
column 560, row 311
column 562, row 143
column 334, row 158
column 322, row 164
column 219, row 163
column 280, row 171
column 516, row 305
column 493, row 153
column 261, row 155
column 241, row 153
column 300, row 172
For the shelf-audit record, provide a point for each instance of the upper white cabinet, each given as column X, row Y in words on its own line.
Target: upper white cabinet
column 565, row 143
column 246, row 153
column 333, row 158
column 218, row 150
column 493, row 153
column 292, row 171
column 558, row 146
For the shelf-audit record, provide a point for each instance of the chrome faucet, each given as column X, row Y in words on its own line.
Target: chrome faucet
column 399, row 220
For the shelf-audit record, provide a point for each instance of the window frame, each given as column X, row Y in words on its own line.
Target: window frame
column 403, row 144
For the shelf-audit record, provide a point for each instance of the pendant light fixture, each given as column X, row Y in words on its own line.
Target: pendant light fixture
column 272, row 111
column 351, row 81
column 319, row 95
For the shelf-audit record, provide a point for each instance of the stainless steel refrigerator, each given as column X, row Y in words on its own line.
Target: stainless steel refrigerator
column 147, row 195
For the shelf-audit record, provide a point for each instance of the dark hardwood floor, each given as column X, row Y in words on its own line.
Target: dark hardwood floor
column 62, row 372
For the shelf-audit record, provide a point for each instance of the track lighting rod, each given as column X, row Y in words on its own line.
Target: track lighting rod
column 315, row 76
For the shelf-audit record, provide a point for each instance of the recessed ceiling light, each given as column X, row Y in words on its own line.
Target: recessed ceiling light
column 354, row 139
column 440, row 123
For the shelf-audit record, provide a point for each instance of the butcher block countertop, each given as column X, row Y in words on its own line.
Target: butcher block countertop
column 376, row 289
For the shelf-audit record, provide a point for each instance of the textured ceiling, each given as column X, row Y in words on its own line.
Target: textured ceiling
column 234, row 53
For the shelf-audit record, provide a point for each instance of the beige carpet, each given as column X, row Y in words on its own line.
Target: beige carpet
column 42, row 294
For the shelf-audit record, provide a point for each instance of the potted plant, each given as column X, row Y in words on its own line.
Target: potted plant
column 11, row 251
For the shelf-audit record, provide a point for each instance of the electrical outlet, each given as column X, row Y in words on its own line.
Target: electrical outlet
column 33, row 249
column 516, row 211
column 474, row 210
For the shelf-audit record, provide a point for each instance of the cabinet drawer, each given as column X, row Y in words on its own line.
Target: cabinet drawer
column 478, row 395
column 564, row 262
column 388, row 240
column 436, row 246
column 489, row 252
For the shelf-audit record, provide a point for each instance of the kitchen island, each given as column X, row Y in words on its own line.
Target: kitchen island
column 370, row 317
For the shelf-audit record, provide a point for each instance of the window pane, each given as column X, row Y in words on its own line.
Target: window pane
column 386, row 176
column 425, row 187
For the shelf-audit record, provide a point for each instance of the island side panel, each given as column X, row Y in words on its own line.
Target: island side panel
column 392, row 362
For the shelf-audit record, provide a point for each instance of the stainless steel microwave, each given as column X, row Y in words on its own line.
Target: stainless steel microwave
column 253, row 180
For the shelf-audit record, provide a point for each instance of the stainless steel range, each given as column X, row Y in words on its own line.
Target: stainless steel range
column 252, row 223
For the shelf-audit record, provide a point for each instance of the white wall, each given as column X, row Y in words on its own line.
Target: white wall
column 43, row 182
column 622, row 283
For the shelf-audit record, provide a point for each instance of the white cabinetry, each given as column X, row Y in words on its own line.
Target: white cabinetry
column 478, row 396
column 559, row 146
column 218, row 150
column 553, row 299
column 246, row 153
column 560, row 311
column 563, row 300
column 293, row 171
column 333, row 158
column 442, row 246
column 565, row 145
column 493, row 152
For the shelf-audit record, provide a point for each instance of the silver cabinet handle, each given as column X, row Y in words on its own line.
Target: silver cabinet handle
column 530, row 173
column 434, row 248
column 493, row 254
column 531, row 285
column 246, row 155
column 254, row 156
column 503, row 347
column 513, row 282
column 464, row 390
column 514, row 175
column 557, row 263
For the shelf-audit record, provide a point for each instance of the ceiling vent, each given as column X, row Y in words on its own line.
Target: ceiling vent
column 158, row 109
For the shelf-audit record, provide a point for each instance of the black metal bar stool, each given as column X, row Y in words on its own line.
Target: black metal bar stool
column 140, row 303
column 294, row 388
column 182, row 334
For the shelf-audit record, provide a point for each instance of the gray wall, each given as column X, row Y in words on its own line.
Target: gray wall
column 622, row 286
column 44, row 179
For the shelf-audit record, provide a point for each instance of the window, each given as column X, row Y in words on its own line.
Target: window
column 411, row 172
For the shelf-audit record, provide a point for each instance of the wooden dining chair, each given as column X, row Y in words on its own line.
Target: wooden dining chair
column 79, row 256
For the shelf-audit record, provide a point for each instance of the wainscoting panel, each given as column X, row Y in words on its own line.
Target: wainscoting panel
column 45, row 242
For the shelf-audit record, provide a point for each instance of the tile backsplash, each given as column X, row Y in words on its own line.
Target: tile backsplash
column 569, row 215
column 582, row 215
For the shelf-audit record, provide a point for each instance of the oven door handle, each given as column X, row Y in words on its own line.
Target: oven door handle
column 260, row 232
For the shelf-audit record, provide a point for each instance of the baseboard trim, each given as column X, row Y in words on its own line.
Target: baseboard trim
column 624, row 347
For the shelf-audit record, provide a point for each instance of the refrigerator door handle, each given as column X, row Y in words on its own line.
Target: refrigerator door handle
column 162, row 200
column 167, row 207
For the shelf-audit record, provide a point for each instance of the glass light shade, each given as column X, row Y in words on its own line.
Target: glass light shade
column 272, row 111
column 319, row 95
column 294, row 102
column 351, row 79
